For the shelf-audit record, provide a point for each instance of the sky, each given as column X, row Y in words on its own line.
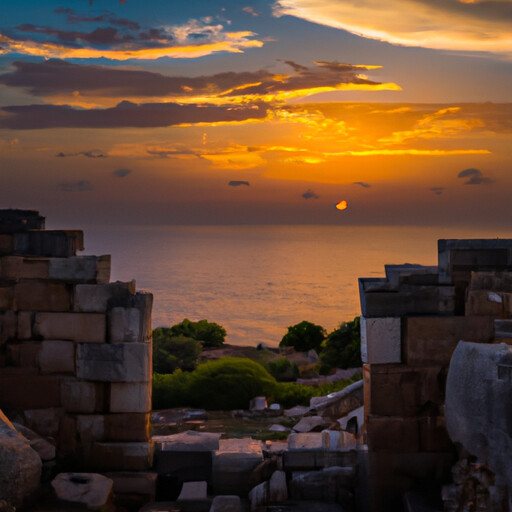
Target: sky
column 260, row 112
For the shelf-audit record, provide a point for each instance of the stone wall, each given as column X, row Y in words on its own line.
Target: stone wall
column 412, row 321
column 75, row 349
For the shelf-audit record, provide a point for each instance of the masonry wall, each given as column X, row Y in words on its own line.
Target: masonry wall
column 412, row 321
column 75, row 349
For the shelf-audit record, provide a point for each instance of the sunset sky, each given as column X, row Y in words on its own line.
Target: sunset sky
column 258, row 112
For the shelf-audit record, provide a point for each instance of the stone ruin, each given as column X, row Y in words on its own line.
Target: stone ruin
column 75, row 350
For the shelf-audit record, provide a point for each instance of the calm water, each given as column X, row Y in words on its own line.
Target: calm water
column 258, row 280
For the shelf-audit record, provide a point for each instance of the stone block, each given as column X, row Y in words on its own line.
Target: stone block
column 80, row 327
column 8, row 326
column 59, row 244
column 130, row 482
column 226, row 504
column 381, row 340
column 44, row 421
column 433, row 435
column 122, row 456
column 82, row 396
column 67, row 440
column 309, row 460
column 495, row 281
column 127, row 427
column 487, row 303
column 393, row 434
column 41, row 295
column 130, row 397
column 502, row 330
column 57, row 357
column 6, row 297
column 103, row 269
column 26, row 390
column 184, row 465
column 23, row 354
column 89, row 428
column 189, row 440
column 193, row 491
column 74, row 269
column 278, row 490
column 430, row 341
column 6, row 244
column 398, row 390
column 90, row 489
column 98, row 298
column 132, row 323
column 25, row 321
column 327, row 486
column 119, row 362
column 20, row 267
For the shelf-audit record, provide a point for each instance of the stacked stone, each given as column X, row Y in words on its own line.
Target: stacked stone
column 75, row 349
column 412, row 321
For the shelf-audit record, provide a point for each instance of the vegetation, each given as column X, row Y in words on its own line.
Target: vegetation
column 304, row 336
column 172, row 352
column 282, row 369
column 209, row 334
column 342, row 348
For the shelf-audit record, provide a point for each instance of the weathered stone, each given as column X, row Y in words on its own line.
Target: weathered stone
column 341, row 402
column 8, row 326
column 302, row 441
column 80, row 327
column 127, row 427
column 58, row 244
column 103, row 269
column 130, row 397
column 478, row 391
column 495, row 281
column 43, row 421
column 189, row 440
column 381, row 340
column 19, row 267
column 6, row 244
column 119, row 362
column 97, row 298
column 311, row 424
column 122, row 456
column 393, row 434
column 193, row 491
column 91, row 489
column 14, row 220
column 278, row 490
column 298, row 410
column 6, row 297
column 502, row 330
column 81, row 396
column 23, row 389
column 226, row 504
column 486, row 303
column 353, row 422
column 432, row 340
column 23, row 354
column 310, row 460
column 20, row 466
column 57, row 357
column 44, row 449
column 25, row 319
column 258, row 403
column 258, row 496
column 74, row 269
column 134, row 482
column 132, row 323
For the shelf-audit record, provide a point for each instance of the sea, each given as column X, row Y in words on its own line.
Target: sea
column 256, row 281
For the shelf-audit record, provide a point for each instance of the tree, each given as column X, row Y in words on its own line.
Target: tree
column 342, row 348
column 209, row 333
column 304, row 336
column 172, row 352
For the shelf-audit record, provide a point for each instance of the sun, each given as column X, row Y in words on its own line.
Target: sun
column 342, row 205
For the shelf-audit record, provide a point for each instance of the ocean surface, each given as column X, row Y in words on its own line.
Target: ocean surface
column 256, row 281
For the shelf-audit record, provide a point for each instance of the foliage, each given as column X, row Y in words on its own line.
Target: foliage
column 304, row 336
column 171, row 390
column 282, row 369
column 342, row 348
column 171, row 352
column 209, row 333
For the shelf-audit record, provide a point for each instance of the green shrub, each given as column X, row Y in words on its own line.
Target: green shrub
column 171, row 352
column 282, row 369
column 304, row 336
column 171, row 390
column 342, row 348
column 209, row 333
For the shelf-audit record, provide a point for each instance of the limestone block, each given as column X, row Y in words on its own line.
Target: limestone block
column 393, row 434
column 381, row 340
column 122, row 456
column 57, row 357
column 20, row 466
column 398, row 390
column 486, row 303
column 25, row 320
column 278, row 490
column 502, row 330
column 103, row 269
column 91, row 489
column 81, row 396
column 478, row 392
column 495, row 281
column 226, row 504
column 119, row 362
column 258, row 496
column 90, row 428
column 19, row 267
column 6, row 297
column 80, row 327
column 74, row 269
column 41, row 295
column 130, row 397
column 433, row 435
column 185, row 465
column 50, row 243
column 430, row 341
column 97, row 298
column 127, row 427
column 43, row 421
column 341, row 402
column 44, row 449
column 188, row 441
column 23, row 354
column 6, row 244
column 309, row 460
column 8, row 326
column 24, row 389
column 124, row 325
column 302, row 441
column 310, row 424
column 193, row 491
column 130, row 482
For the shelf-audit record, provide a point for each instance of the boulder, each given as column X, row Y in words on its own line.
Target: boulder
column 90, row 489
column 20, row 466
column 44, row 448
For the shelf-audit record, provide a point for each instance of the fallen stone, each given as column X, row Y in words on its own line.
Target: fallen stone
column 298, row 410
column 353, row 421
column 258, row 496
column 134, row 482
column 226, row 503
column 188, row 441
column 193, row 491
column 258, row 403
column 278, row 428
column 310, row 424
column 91, row 489
column 278, row 490
column 45, row 449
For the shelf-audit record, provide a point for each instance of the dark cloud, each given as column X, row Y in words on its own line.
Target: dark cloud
column 309, row 194
column 122, row 173
column 59, row 77
column 174, row 152
column 73, row 17
column 125, row 114
column 75, row 186
column 362, row 184
column 437, row 190
column 88, row 154
column 235, row 183
column 474, row 177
